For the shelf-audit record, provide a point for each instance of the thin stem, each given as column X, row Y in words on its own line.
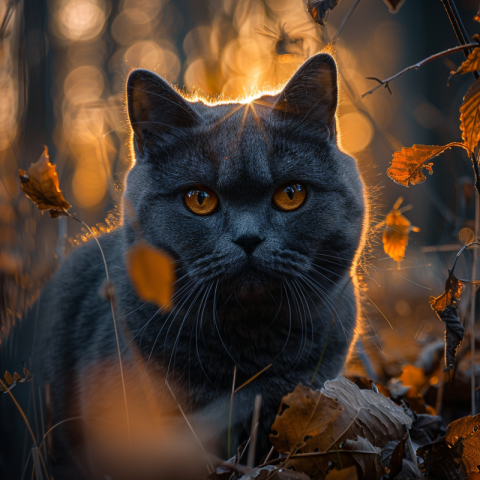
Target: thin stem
column 112, row 307
column 27, row 423
column 209, row 465
column 345, row 20
column 418, row 65
column 230, row 414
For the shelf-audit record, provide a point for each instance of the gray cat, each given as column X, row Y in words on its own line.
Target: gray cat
column 264, row 217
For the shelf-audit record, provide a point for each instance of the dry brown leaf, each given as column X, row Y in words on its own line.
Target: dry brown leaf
column 471, row 64
column 408, row 163
column 445, row 306
column 395, row 234
column 467, row 431
column 319, row 8
column 40, row 184
column 152, row 273
column 306, row 414
column 470, row 116
column 394, row 5
column 451, row 295
column 366, row 417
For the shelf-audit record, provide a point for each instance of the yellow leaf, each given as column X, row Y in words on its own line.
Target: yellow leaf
column 471, row 64
column 152, row 274
column 395, row 235
column 407, row 165
column 8, row 378
column 40, row 184
column 470, row 117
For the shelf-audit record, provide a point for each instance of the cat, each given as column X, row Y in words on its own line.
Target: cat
column 264, row 217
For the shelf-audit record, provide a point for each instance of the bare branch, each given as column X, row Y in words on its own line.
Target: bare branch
column 418, row 65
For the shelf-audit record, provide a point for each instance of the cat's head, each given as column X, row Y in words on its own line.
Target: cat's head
column 241, row 194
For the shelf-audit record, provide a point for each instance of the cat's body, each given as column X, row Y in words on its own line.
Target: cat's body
column 256, row 286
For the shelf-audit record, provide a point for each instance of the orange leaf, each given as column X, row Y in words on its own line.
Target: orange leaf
column 466, row 430
column 471, row 64
column 41, row 186
column 451, row 295
column 470, row 116
column 152, row 274
column 407, row 165
column 395, row 235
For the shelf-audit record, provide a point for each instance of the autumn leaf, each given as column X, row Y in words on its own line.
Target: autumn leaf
column 407, row 165
column 466, row 431
column 40, row 185
column 307, row 414
column 445, row 306
column 362, row 422
column 394, row 5
column 395, row 234
column 470, row 116
column 451, row 295
column 319, row 8
column 152, row 274
column 471, row 64
column 10, row 381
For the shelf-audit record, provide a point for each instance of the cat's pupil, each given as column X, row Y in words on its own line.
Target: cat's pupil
column 290, row 191
column 201, row 196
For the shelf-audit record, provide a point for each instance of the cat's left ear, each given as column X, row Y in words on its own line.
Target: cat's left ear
column 155, row 109
column 312, row 92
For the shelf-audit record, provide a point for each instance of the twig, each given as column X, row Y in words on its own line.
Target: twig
column 473, row 298
column 345, row 20
column 26, row 423
column 417, row 66
column 210, row 466
column 112, row 307
column 230, row 413
column 253, row 435
column 36, row 463
column 252, row 378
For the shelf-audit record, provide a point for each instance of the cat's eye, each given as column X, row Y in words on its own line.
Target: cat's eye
column 289, row 197
column 201, row 200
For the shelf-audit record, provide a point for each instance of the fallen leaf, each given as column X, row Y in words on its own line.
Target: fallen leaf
column 354, row 434
column 270, row 472
column 319, row 8
column 152, row 273
column 303, row 414
column 441, row 462
column 396, row 459
column 471, row 64
column 408, row 163
column 395, row 234
column 470, row 117
column 394, row 5
column 40, row 185
column 466, row 431
column 366, row 414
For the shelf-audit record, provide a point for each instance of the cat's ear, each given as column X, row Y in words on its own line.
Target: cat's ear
column 155, row 109
column 312, row 92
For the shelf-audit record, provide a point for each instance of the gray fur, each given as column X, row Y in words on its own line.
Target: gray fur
column 274, row 306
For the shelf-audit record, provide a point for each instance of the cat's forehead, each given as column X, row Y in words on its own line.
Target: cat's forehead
column 239, row 136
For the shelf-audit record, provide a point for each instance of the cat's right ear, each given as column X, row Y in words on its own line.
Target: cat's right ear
column 155, row 109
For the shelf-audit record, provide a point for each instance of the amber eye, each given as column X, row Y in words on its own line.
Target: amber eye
column 201, row 200
column 289, row 197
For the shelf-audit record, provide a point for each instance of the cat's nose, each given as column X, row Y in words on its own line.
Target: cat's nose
column 249, row 242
